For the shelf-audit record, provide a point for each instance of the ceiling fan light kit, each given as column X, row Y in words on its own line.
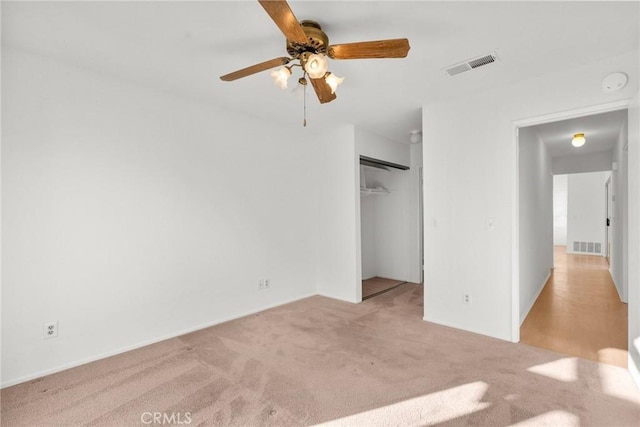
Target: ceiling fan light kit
column 333, row 81
column 316, row 65
column 307, row 44
column 280, row 76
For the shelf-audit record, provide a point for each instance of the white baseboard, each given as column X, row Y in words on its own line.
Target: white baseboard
column 617, row 288
column 145, row 343
column 471, row 330
column 351, row 301
column 523, row 315
column 634, row 371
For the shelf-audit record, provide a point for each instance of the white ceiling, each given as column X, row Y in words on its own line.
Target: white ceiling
column 601, row 132
column 183, row 47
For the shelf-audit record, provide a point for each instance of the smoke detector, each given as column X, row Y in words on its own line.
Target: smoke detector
column 614, row 82
column 471, row 64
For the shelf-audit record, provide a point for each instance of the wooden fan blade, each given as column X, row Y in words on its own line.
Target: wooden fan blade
column 272, row 63
column 284, row 18
column 393, row 48
column 323, row 90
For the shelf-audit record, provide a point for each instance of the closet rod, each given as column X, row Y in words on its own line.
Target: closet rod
column 376, row 163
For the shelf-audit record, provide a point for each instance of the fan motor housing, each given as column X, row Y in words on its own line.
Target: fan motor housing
column 317, row 41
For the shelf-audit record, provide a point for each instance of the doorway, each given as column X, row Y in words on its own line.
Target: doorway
column 541, row 273
column 385, row 211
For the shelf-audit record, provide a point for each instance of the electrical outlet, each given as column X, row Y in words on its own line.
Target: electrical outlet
column 467, row 298
column 260, row 284
column 51, row 330
column 267, row 283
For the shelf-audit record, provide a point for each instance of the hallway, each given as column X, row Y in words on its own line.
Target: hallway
column 579, row 312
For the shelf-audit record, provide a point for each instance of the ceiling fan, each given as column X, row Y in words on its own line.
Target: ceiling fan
column 309, row 46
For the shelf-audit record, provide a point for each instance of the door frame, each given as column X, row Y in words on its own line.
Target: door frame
column 515, row 192
column 608, row 203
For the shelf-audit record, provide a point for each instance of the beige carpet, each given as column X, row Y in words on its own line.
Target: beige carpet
column 377, row 285
column 323, row 361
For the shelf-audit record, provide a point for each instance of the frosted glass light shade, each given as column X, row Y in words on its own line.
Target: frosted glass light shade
column 578, row 140
column 280, row 77
column 316, row 66
column 333, row 81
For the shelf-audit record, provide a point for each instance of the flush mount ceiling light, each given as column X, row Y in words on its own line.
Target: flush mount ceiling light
column 614, row 82
column 308, row 48
column 578, row 140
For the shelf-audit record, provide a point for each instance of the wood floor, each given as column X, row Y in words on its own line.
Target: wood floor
column 377, row 285
column 579, row 311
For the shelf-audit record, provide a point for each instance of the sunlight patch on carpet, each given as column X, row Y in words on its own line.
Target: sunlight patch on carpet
column 551, row 419
column 562, row 369
column 612, row 380
column 433, row 408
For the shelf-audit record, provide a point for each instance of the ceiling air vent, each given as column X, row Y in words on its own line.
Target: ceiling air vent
column 471, row 64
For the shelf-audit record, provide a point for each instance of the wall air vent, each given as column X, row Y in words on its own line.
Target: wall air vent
column 479, row 62
column 587, row 247
column 471, row 64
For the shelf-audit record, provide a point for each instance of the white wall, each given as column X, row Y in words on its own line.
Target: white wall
column 129, row 216
column 338, row 189
column 368, row 233
column 416, row 237
column 466, row 183
column 560, row 210
column 536, row 217
column 470, row 176
column 586, row 209
column 393, row 227
column 633, row 200
column 390, row 229
column 378, row 147
column 618, row 218
column 593, row 162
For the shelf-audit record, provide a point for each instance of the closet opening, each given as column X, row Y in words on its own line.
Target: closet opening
column 385, row 210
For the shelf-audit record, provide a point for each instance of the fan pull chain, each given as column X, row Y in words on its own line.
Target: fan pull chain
column 304, row 103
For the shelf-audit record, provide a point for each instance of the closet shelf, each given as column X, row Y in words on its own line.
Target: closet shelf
column 368, row 191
